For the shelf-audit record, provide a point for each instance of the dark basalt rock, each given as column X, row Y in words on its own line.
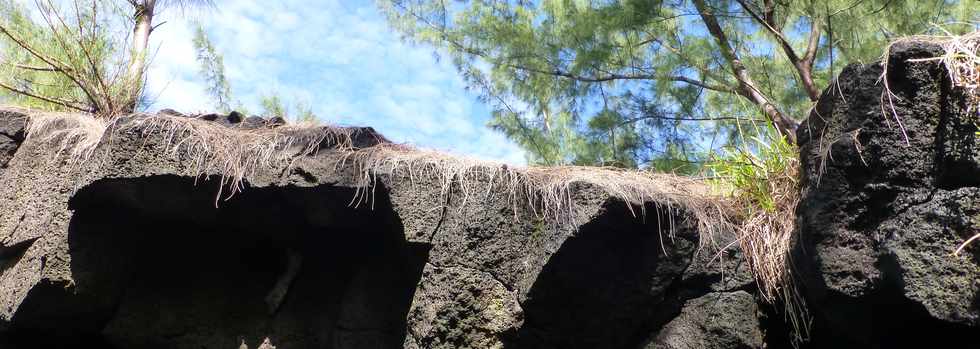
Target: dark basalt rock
column 171, row 112
column 275, row 121
column 133, row 250
column 12, row 134
column 232, row 118
column 235, row 117
column 364, row 137
column 254, row 122
column 715, row 320
column 891, row 189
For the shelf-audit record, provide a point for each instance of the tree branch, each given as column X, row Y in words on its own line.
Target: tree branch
column 157, row 26
column 61, row 102
column 804, row 65
column 79, row 80
column 613, row 77
column 488, row 90
column 769, row 23
column 812, row 44
column 720, row 118
column 79, row 39
column 55, row 65
column 785, row 125
column 47, row 60
column 33, row 68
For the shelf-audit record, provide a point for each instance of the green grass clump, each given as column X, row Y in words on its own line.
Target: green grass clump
column 760, row 177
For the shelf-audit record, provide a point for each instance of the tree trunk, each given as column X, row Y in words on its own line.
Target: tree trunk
column 143, row 18
column 746, row 86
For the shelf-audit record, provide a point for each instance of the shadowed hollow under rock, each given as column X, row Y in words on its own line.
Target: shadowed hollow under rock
column 131, row 249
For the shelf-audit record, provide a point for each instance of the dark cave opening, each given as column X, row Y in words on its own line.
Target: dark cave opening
column 608, row 286
column 156, row 264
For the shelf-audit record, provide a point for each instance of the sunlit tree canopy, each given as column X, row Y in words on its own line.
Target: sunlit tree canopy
column 658, row 84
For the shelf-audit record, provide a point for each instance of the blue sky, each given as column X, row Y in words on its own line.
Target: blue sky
column 340, row 57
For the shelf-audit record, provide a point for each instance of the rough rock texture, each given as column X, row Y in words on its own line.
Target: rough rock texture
column 11, row 136
column 132, row 250
column 715, row 320
column 890, row 193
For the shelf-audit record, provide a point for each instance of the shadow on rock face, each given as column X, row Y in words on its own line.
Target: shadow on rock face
column 606, row 285
column 157, row 265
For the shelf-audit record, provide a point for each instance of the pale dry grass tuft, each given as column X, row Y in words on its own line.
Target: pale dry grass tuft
column 765, row 189
column 965, row 244
column 75, row 136
column 766, row 239
column 962, row 61
column 547, row 192
column 236, row 155
column 232, row 153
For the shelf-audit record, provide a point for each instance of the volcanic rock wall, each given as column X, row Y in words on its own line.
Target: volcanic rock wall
column 131, row 249
column 891, row 190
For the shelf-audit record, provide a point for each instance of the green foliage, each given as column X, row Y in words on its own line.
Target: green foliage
column 757, row 171
column 272, row 105
column 74, row 64
column 549, row 67
column 304, row 113
column 760, row 176
column 78, row 55
column 608, row 143
column 212, row 70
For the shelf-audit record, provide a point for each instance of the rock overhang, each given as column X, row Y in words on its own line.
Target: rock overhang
column 461, row 241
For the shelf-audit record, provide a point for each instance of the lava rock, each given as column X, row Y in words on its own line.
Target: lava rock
column 364, row 137
column 714, row 321
column 229, row 119
column 275, row 121
column 12, row 134
column 890, row 188
column 171, row 112
column 137, row 249
column 234, row 117
column 253, row 122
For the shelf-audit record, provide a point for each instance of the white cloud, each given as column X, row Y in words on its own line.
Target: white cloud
column 339, row 56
